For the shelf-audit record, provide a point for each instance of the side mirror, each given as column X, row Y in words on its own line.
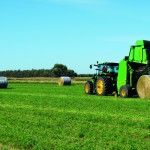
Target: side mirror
column 90, row 66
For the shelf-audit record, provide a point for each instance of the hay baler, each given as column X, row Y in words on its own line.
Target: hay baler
column 129, row 77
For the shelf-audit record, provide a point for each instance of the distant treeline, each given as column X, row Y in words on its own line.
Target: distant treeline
column 57, row 71
column 38, row 73
column 26, row 73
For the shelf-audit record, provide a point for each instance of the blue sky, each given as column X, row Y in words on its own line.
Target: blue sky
column 36, row 34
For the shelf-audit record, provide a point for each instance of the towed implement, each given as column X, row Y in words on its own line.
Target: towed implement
column 129, row 77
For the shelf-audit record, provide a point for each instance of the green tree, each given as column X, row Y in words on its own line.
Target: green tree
column 58, row 70
column 61, row 70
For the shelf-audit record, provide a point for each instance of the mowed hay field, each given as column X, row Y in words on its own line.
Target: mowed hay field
column 48, row 116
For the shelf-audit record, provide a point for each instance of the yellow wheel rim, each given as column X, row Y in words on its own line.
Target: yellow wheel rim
column 86, row 88
column 100, row 87
column 123, row 93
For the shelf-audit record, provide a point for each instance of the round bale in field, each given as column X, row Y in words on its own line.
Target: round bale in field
column 64, row 81
column 3, row 82
column 143, row 86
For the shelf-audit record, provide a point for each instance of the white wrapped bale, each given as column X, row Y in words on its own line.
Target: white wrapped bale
column 64, row 81
column 3, row 82
column 143, row 86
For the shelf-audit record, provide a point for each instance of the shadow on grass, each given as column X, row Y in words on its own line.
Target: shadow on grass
column 8, row 88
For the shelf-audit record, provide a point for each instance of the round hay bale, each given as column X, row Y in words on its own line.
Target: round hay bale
column 143, row 86
column 64, row 81
column 3, row 82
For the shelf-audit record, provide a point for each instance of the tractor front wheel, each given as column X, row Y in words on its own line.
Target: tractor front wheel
column 88, row 88
column 125, row 91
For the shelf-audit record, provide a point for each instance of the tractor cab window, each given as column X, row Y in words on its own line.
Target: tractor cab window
column 113, row 69
column 107, row 69
column 110, row 69
column 104, row 69
column 116, row 69
column 101, row 68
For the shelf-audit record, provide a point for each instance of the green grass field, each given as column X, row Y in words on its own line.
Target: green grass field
column 47, row 116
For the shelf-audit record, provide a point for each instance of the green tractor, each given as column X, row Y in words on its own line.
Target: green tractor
column 104, row 82
column 128, row 78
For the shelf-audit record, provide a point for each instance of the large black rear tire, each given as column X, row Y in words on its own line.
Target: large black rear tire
column 88, row 88
column 102, row 86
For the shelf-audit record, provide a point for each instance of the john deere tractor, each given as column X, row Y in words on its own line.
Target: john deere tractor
column 129, row 77
column 104, row 82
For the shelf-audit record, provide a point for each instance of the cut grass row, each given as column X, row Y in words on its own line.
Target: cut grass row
column 46, row 116
column 76, row 80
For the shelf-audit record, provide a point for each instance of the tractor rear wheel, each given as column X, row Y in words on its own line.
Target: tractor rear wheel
column 88, row 88
column 125, row 91
column 102, row 86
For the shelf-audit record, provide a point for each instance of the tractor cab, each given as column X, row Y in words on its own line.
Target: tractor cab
column 107, row 68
